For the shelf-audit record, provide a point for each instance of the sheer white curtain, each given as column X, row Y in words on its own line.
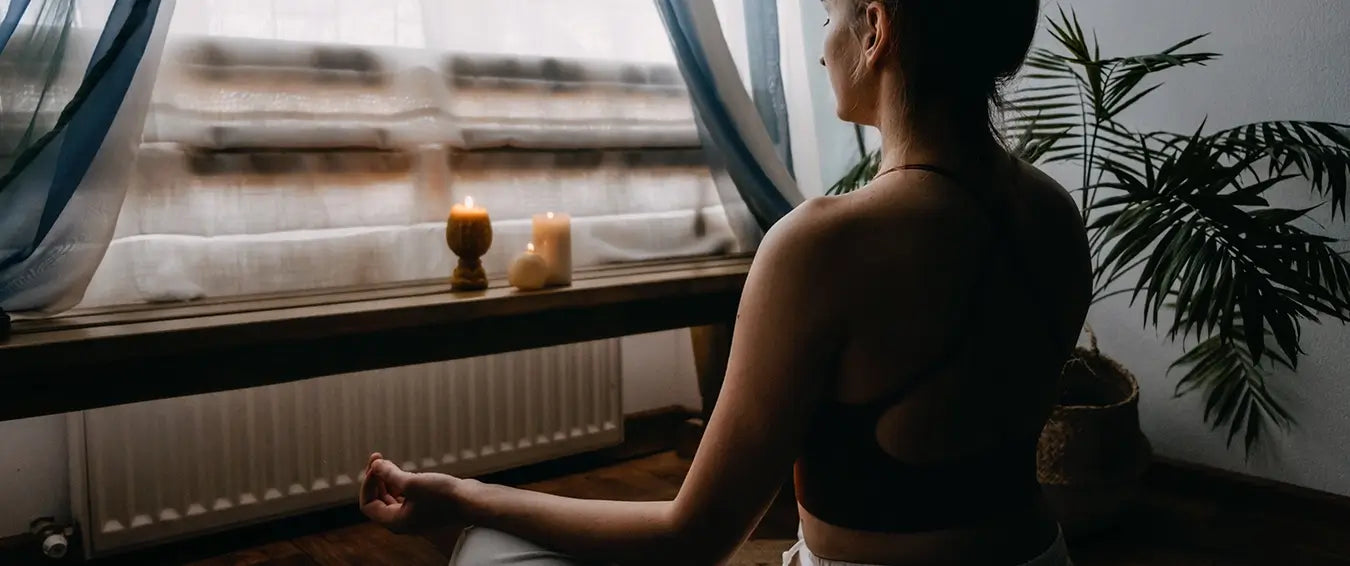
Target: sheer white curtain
column 67, row 159
column 304, row 144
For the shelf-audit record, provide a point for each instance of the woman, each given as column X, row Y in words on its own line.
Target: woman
column 900, row 344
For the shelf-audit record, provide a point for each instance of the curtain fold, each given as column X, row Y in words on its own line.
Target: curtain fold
column 736, row 136
column 11, row 21
column 766, row 74
column 61, row 191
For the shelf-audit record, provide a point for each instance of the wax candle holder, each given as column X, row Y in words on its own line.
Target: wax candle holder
column 468, row 232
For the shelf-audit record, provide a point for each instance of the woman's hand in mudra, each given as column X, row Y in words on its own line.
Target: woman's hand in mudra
column 405, row 501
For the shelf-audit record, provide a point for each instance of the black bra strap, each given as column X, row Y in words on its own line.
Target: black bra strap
column 1002, row 233
column 955, row 344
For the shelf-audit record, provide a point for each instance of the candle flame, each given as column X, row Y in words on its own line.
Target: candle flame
column 529, row 248
column 550, row 216
column 468, row 202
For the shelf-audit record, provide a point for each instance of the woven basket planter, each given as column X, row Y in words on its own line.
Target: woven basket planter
column 1092, row 453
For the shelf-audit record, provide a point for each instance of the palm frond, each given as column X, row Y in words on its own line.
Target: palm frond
column 858, row 175
column 1318, row 151
column 1235, row 391
column 1211, row 244
column 1077, row 95
column 1130, row 73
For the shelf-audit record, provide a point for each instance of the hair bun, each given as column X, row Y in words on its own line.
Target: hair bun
column 1011, row 28
column 961, row 51
column 974, row 45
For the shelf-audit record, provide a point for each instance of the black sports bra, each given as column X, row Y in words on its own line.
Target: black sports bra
column 844, row 477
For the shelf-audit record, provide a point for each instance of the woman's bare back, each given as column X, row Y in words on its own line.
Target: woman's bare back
column 923, row 243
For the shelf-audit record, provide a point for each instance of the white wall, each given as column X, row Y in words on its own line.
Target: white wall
column 1283, row 59
column 658, row 372
column 33, row 459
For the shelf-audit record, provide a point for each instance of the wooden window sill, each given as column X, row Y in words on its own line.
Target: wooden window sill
column 97, row 358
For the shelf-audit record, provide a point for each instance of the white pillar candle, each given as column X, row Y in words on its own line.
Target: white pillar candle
column 553, row 242
column 528, row 272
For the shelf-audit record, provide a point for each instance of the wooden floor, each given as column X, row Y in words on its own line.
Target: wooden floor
column 1177, row 523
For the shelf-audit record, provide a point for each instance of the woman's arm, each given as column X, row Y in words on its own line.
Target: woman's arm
column 787, row 332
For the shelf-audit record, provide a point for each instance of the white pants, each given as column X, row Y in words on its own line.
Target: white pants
column 799, row 555
column 486, row 547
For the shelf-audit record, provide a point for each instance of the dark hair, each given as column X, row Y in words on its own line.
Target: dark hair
column 961, row 51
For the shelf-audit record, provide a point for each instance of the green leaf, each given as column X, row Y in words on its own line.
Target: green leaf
column 1193, row 258
column 1244, row 410
column 1252, row 308
column 1320, row 151
column 1279, row 216
column 1115, row 109
column 1286, row 335
column 1198, row 310
column 1236, row 396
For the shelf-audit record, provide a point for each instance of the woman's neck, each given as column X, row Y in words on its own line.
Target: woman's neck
column 938, row 135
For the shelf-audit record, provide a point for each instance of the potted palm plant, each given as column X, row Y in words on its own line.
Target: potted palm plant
column 1182, row 223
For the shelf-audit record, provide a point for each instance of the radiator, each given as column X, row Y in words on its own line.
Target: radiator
column 155, row 471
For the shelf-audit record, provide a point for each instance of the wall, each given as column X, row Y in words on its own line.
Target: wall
column 658, row 371
column 1283, row 59
column 33, row 459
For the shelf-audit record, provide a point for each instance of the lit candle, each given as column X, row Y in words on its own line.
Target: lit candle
column 467, row 212
column 528, row 272
column 468, row 232
column 553, row 242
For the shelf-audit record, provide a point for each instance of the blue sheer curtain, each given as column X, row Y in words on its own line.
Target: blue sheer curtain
column 11, row 21
column 63, row 173
column 734, row 129
column 766, row 74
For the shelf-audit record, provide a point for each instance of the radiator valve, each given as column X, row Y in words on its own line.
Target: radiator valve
column 54, row 537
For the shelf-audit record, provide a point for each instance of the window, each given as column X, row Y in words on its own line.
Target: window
column 309, row 144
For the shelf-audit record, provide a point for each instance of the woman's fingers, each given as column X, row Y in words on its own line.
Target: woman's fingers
column 381, row 495
column 395, row 480
column 374, row 456
column 372, row 489
column 386, row 515
column 392, row 475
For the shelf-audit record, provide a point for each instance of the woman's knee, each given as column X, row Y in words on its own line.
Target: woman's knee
column 486, row 547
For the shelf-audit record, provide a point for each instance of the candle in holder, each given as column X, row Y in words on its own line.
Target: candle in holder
column 468, row 232
column 528, row 272
column 553, row 242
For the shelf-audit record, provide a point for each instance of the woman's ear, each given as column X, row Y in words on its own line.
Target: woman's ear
column 876, row 34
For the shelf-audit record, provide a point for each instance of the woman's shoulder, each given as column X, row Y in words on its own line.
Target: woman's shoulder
column 810, row 228
column 895, row 221
column 1042, row 184
column 908, row 206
